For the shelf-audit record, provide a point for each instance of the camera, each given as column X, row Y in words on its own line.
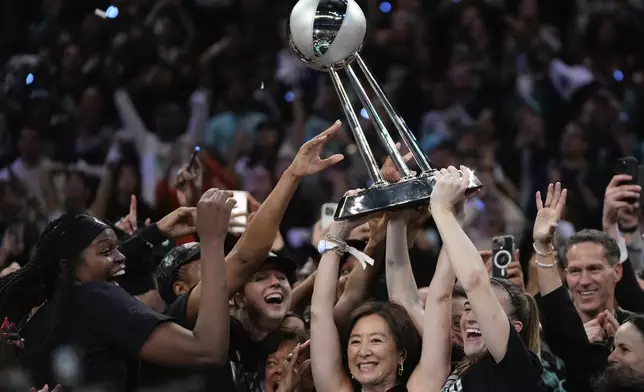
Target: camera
column 502, row 251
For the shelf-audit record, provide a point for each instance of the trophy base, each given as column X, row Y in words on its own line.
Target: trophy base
column 404, row 193
column 397, row 195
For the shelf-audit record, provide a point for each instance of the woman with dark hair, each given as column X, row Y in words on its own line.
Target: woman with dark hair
column 72, row 279
column 625, row 371
column 500, row 324
column 382, row 344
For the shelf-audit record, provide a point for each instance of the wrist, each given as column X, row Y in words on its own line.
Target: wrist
column 543, row 246
column 289, row 174
column 440, row 210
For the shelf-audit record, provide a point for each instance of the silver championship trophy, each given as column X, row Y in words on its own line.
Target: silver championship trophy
column 328, row 36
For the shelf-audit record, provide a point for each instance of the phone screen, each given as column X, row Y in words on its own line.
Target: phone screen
column 240, row 212
column 328, row 210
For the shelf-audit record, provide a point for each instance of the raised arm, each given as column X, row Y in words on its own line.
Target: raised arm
column 254, row 245
column 251, row 249
column 466, row 261
column 435, row 359
column 545, row 223
column 208, row 342
column 326, row 350
column 401, row 285
column 360, row 280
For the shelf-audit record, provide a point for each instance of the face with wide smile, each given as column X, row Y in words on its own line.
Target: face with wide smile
column 101, row 260
column 590, row 277
column 473, row 343
column 372, row 353
column 267, row 297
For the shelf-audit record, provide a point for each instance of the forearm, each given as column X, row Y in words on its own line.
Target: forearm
column 437, row 341
column 358, row 284
column 212, row 325
column 401, row 285
column 463, row 256
column 548, row 277
column 251, row 250
column 326, row 357
column 301, row 294
column 324, row 289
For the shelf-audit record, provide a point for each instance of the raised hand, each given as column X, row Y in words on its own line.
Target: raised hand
column 610, row 324
column 296, row 369
column 450, row 187
column 342, row 229
column 129, row 222
column 308, row 161
column 615, row 199
column 378, row 227
column 594, row 329
column 213, row 214
column 388, row 170
column 179, row 223
column 548, row 214
column 188, row 185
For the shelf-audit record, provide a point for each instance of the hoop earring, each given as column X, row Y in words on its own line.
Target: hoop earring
column 400, row 369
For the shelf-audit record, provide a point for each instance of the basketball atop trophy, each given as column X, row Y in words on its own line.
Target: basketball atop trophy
column 327, row 33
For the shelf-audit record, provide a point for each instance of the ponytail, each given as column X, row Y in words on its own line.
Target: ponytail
column 532, row 326
column 524, row 309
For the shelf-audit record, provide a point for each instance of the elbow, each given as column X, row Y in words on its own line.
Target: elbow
column 214, row 357
column 474, row 279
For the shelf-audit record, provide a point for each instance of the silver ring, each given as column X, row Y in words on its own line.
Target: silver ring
column 289, row 357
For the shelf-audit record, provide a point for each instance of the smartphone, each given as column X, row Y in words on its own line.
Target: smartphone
column 238, row 223
column 502, row 251
column 326, row 216
column 628, row 166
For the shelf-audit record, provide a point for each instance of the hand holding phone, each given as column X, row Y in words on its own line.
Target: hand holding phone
column 239, row 215
column 502, row 251
column 630, row 167
column 326, row 216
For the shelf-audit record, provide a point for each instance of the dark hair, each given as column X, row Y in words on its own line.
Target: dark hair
column 525, row 310
column 638, row 321
column 401, row 326
column 611, row 250
column 53, row 265
column 458, row 291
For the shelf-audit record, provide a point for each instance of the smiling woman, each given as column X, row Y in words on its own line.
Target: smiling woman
column 95, row 328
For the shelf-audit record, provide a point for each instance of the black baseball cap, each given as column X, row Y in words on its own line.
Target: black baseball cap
column 281, row 263
column 170, row 265
column 176, row 258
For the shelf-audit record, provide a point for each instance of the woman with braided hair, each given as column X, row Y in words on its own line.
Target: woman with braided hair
column 72, row 279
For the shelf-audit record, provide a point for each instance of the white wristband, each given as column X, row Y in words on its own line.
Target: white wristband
column 364, row 259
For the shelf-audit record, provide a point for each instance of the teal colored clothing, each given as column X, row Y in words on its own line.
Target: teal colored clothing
column 222, row 128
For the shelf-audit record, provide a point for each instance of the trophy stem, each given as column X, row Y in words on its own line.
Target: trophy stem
column 361, row 140
column 407, row 136
column 380, row 127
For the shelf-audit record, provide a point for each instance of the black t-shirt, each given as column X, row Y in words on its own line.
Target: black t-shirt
column 520, row 370
column 245, row 360
column 107, row 329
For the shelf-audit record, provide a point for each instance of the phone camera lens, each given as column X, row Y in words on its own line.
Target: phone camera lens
column 502, row 259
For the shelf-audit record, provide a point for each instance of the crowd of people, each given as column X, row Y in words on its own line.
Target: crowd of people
column 167, row 169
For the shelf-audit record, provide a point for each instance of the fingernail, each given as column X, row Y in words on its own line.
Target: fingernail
column 337, row 122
